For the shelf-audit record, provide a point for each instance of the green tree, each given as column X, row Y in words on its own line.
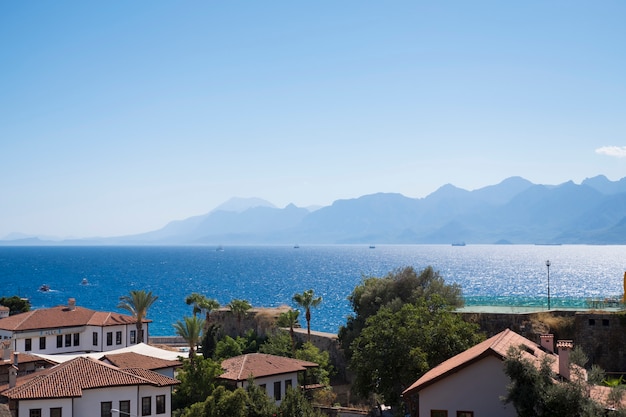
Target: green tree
column 396, row 347
column 296, row 405
column 197, row 382
column 321, row 374
column 202, row 303
column 228, row 348
column 16, row 304
column 137, row 303
column 399, row 287
column 289, row 319
column 240, row 309
column 259, row 403
column 534, row 391
column 307, row 300
column 278, row 343
column 190, row 329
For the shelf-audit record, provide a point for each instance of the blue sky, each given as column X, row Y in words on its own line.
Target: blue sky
column 118, row 117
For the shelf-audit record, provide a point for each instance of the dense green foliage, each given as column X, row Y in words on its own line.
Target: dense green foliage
column 289, row 319
column 396, row 347
column 197, row 382
column 534, row 392
column 16, row 304
column 400, row 287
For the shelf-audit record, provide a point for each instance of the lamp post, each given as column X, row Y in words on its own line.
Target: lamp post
column 548, row 265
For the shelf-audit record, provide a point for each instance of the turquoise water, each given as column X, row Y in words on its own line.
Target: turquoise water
column 270, row 275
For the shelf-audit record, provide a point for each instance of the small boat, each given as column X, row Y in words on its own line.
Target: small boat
column 44, row 288
column 372, row 247
column 220, row 248
column 296, row 246
column 84, row 282
column 458, row 244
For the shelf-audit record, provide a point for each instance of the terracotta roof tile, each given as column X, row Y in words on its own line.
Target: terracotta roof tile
column 84, row 373
column 62, row 316
column 259, row 365
column 137, row 360
column 497, row 345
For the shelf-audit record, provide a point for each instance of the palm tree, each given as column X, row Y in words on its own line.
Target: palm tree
column 239, row 308
column 190, row 329
column 290, row 319
column 137, row 303
column 202, row 303
column 306, row 300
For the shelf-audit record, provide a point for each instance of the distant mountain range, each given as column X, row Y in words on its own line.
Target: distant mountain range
column 514, row 211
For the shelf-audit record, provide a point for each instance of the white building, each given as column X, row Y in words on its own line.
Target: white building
column 67, row 329
column 272, row 373
column 87, row 387
column 473, row 382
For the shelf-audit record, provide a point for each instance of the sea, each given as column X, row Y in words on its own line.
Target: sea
column 269, row 276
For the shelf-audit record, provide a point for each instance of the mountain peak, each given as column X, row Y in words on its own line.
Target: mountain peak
column 239, row 204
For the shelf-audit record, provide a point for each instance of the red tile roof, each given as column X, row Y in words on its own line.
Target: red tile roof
column 62, row 316
column 69, row 379
column 257, row 365
column 497, row 345
column 137, row 360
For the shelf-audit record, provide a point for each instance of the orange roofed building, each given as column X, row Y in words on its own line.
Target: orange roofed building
column 87, row 387
column 272, row 373
column 68, row 329
column 473, row 382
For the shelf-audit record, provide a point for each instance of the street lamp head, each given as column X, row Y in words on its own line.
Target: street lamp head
column 548, row 263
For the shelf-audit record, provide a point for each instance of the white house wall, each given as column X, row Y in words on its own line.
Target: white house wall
column 477, row 387
column 85, row 342
column 89, row 403
column 45, row 405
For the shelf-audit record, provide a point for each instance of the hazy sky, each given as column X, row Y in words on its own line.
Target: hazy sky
column 117, row 117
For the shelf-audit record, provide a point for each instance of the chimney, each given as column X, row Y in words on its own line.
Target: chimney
column 547, row 342
column 13, row 371
column 12, row 376
column 564, row 347
column 71, row 304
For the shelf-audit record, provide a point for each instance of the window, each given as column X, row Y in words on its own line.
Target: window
column 124, row 408
column 287, row 384
column 133, row 337
column 592, row 322
column 68, row 340
column 605, row 322
column 76, row 339
column 34, row 412
column 160, row 404
column 59, row 341
column 56, row 412
column 263, row 387
column 94, row 337
column 118, row 338
column 464, row 414
column 42, row 343
column 28, row 345
column 105, row 409
column 109, row 338
column 438, row 413
column 146, row 406
column 277, row 392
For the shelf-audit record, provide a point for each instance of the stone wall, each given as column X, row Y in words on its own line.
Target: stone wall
column 600, row 334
